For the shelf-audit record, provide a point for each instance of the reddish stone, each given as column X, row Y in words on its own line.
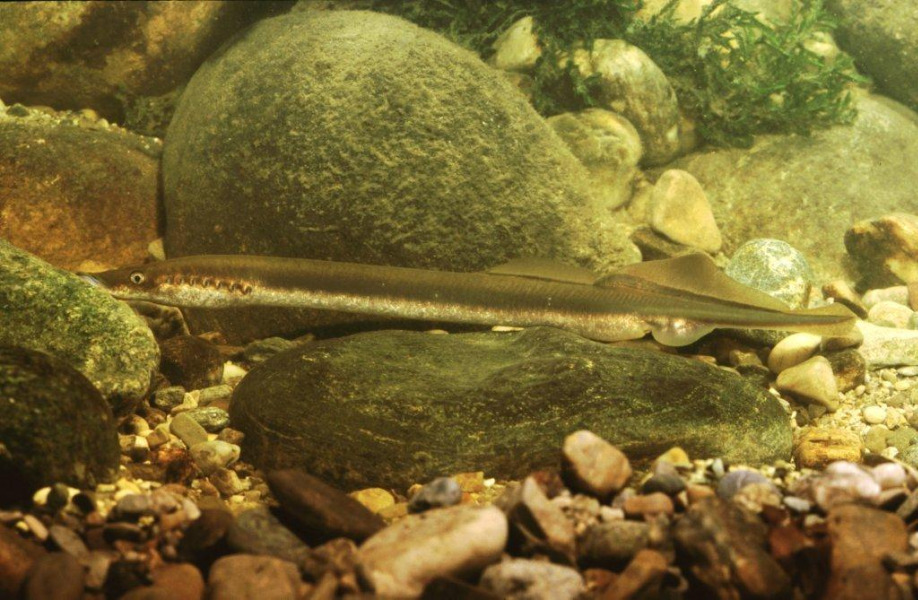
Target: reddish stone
column 649, row 505
column 16, row 558
column 642, row 578
column 861, row 536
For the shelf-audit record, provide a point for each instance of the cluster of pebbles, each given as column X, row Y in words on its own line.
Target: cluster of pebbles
column 592, row 529
column 189, row 520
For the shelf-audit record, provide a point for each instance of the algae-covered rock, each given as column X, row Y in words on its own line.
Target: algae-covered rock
column 45, row 309
column 54, row 426
column 394, row 407
column 883, row 39
column 358, row 136
column 74, row 193
column 808, row 191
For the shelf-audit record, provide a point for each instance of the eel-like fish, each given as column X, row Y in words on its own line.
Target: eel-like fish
column 678, row 300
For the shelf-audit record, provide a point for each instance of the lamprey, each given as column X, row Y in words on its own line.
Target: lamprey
column 678, row 300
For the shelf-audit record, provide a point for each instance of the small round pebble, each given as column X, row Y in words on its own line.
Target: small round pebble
column 211, row 418
column 213, row 455
column 734, row 481
column 874, row 414
column 774, row 267
column 441, row 492
column 792, row 350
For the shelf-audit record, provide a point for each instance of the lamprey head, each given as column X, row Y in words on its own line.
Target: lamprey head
column 133, row 283
column 169, row 282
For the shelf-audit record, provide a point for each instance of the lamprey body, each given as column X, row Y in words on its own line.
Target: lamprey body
column 678, row 300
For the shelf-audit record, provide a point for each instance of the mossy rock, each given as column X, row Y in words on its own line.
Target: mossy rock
column 45, row 309
column 54, row 426
column 392, row 408
column 357, row 136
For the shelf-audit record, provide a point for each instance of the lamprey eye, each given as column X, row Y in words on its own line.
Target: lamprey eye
column 137, row 277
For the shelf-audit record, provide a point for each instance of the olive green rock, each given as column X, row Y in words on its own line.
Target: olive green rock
column 358, row 136
column 54, row 426
column 49, row 310
column 391, row 408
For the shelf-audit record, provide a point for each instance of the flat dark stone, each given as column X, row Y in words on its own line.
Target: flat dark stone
column 320, row 511
column 259, row 531
column 391, row 408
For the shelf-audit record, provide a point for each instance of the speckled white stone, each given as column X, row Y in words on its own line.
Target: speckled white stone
column 792, row 350
column 874, row 414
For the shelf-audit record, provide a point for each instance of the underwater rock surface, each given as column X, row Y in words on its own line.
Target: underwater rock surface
column 395, row 407
column 357, row 136
column 808, row 190
column 883, row 39
column 101, row 54
column 54, row 426
column 73, row 193
column 51, row 311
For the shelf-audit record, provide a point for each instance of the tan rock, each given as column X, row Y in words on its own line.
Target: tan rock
column 592, row 465
column 517, row 48
column 792, row 350
column 812, row 381
column 816, row 448
column 403, row 558
column 679, row 210
column 376, row 499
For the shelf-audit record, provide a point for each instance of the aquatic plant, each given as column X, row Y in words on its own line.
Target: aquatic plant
column 734, row 74
column 737, row 75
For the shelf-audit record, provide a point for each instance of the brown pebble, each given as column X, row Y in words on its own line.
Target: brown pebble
column 817, row 447
column 726, row 544
column 321, row 511
column 861, row 536
column 55, row 576
column 849, row 367
column 205, row 539
column 592, row 465
column 642, row 578
column 697, row 492
column 648, row 505
column 841, row 292
column 16, row 558
column 183, row 581
column 250, row 577
column 191, row 362
column 537, row 524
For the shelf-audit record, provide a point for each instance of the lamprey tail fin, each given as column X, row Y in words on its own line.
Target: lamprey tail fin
column 697, row 274
column 829, row 321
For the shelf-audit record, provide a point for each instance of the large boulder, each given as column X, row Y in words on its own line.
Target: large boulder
column 808, row 191
column 44, row 309
column 76, row 190
column 357, row 136
column 350, row 135
column 391, row 408
column 54, row 426
column 882, row 36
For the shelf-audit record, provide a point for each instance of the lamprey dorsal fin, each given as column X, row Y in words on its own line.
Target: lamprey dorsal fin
column 694, row 274
column 547, row 269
